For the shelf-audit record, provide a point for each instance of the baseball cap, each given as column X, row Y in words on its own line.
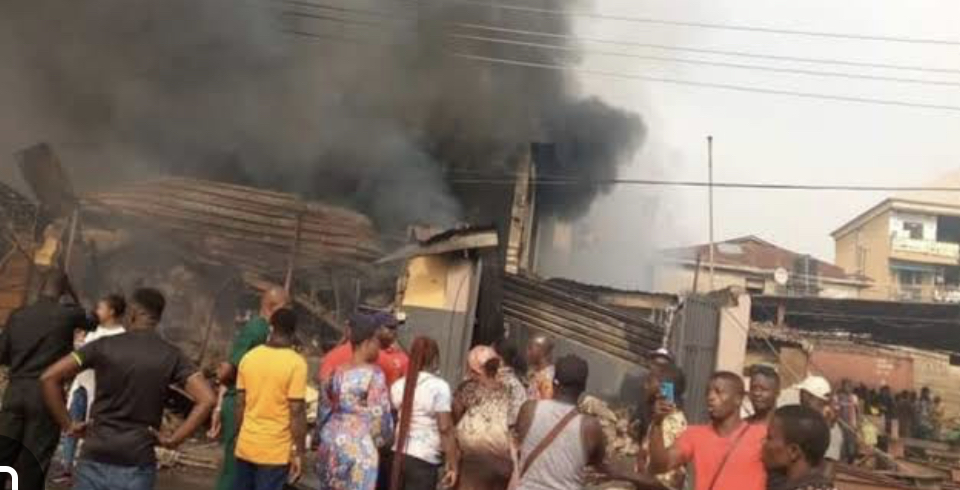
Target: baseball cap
column 662, row 352
column 816, row 386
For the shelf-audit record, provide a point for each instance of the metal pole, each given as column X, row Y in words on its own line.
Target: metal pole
column 713, row 283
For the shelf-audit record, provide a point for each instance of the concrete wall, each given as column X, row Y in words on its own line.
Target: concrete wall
column 873, row 239
column 439, row 296
column 734, row 330
column 929, row 222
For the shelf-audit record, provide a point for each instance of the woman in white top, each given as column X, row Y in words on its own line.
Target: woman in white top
column 425, row 431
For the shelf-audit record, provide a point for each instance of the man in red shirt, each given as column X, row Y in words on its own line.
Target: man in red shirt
column 392, row 359
column 726, row 454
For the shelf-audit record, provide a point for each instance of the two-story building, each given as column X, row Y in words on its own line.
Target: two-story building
column 909, row 246
column 755, row 265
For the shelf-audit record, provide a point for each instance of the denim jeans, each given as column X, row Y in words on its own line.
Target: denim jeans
column 78, row 413
column 250, row 476
column 91, row 475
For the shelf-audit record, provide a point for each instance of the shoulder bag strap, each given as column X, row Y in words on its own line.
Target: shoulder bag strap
column 551, row 436
column 726, row 457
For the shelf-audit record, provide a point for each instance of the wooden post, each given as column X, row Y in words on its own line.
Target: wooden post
column 294, row 248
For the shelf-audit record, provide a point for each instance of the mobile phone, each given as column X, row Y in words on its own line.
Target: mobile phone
column 667, row 391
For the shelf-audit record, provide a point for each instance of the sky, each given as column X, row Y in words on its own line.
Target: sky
column 769, row 138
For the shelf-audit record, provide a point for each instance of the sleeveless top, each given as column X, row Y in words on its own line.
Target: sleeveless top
column 560, row 466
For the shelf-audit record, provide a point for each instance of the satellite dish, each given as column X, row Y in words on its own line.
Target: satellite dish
column 781, row 276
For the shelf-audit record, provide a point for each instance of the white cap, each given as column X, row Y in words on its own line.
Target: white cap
column 816, row 386
column 662, row 352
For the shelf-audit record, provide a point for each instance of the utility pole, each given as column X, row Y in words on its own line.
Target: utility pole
column 713, row 284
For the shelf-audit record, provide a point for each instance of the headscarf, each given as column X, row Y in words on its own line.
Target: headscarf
column 479, row 357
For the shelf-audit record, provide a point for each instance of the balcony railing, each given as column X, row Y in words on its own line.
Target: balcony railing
column 927, row 247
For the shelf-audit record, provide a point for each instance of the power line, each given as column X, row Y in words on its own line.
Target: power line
column 743, row 54
column 706, row 25
column 571, row 181
column 692, row 83
column 712, row 63
column 573, row 49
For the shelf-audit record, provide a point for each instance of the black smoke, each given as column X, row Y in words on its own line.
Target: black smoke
column 362, row 102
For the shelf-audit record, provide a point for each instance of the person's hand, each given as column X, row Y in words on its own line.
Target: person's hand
column 215, row 425
column 641, row 463
column 661, row 409
column 77, row 430
column 449, row 477
column 296, row 468
column 164, row 441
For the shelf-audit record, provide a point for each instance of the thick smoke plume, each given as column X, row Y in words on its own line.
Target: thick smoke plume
column 361, row 102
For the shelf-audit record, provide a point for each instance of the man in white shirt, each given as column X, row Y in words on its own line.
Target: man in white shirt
column 110, row 311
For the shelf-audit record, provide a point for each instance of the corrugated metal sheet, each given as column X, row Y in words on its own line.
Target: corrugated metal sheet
column 558, row 310
column 18, row 218
column 694, row 340
column 246, row 227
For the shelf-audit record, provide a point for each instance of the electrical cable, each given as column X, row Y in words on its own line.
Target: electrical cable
column 474, row 26
column 705, row 25
column 674, row 81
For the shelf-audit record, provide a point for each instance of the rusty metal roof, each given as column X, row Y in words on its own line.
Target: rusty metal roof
column 251, row 228
column 559, row 310
column 755, row 253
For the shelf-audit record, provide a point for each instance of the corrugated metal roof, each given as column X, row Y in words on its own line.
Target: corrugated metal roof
column 242, row 226
column 559, row 310
column 753, row 252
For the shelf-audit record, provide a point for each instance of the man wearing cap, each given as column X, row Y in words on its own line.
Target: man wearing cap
column 815, row 393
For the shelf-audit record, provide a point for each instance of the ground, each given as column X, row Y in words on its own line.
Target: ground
column 174, row 480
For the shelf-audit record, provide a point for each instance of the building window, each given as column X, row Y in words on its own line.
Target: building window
column 910, row 278
column 755, row 285
column 914, row 230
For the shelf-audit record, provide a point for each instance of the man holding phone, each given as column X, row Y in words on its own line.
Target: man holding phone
column 661, row 385
column 724, row 454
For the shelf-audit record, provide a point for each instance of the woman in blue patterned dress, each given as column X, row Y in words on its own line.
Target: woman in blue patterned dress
column 355, row 418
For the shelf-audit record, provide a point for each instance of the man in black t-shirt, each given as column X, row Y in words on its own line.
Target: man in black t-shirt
column 34, row 338
column 133, row 371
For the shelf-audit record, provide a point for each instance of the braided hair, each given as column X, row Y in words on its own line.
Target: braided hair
column 423, row 353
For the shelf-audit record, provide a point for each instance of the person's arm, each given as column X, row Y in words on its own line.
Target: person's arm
column 239, row 408
column 663, row 458
column 51, row 383
column 200, row 391
column 451, row 453
column 596, row 447
column 459, row 408
column 298, row 426
column 215, row 418
column 524, row 421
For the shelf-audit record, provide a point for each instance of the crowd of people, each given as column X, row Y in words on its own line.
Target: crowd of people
column 387, row 419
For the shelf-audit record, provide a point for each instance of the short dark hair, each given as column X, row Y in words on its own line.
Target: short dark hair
column 737, row 381
column 764, row 371
column 117, row 303
column 571, row 371
column 151, row 301
column 806, row 428
column 284, row 322
column 363, row 327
